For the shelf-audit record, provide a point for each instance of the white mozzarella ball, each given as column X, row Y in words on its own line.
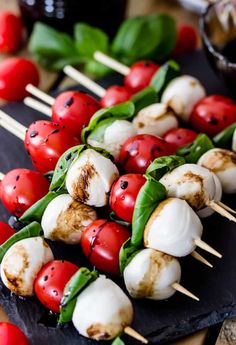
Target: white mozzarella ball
column 65, row 219
column 182, row 94
column 172, row 228
column 151, row 274
column 190, row 182
column 114, row 137
column 223, row 163
column 102, row 310
column 90, row 177
column 21, row 264
column 234, row 141
column 156, row 119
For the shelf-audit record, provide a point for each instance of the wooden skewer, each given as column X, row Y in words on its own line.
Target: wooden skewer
column 112, row 63
column 227, row 208
column 200, row 258
column 134, row 334
column 36, row 105
column 40, row 94
column 85, row 81
column 1, row 176
column 203, row 245
column 219, row 209
column 12, row 126
column 184, row 291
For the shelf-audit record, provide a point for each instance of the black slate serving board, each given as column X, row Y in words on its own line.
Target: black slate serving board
column 161, row 321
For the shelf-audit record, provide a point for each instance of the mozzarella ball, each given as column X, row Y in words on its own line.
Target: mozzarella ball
column 208, row 211
column 156, row 119
column 182, row 94
column 114, row 137
column 151, row 274
column 223, row 164
column 65, row 219
column 192, row 183
column 172, row 228
column 102, row 310
column 90, row 177
column 21, row 264
column 234, row 141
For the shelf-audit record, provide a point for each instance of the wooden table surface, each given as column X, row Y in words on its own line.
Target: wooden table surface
column 227, row 335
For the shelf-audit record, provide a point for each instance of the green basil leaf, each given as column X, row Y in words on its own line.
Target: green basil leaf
column 144, row 98
column 96, row 69
column 149, row 196
column 98, row 133
column 89, row 39
column 35, row 212
column 118, row 341
column 225, row 137
column 51, row 48
column 114, row 218
column 127, row 253
column 32, row 230
column 160, row 166
column 73, row 288
column 121, row 111
column 164, row 75
column 195, row 150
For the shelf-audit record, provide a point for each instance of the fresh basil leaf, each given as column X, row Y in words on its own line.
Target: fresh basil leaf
column 96, row 69
column 73, row 288
column 98, row 133
column 35, row 212
column 121, row 111
column 144, row 98
column 225, row 137
column 32, row 230
column 114, row 218
column 164, row 75
column 89, row 39
column 51, row 48
column 149, row 196
column 162, row 165
column 195, row 150
column 118, row 341
column 127, row 253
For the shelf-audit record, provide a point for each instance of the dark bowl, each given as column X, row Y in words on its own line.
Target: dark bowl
column 216, row 39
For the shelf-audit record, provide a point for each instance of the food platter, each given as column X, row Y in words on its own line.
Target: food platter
column 158, row 321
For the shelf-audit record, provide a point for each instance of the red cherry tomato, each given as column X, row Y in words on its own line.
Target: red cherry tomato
column 213, row 114
column 5, row 232
column 73, row 109
column 140, row 75
column 45, row 142
column 115, row 95
column 186, row 40
column 101, row 243
column 21, row 188
column 51, row 281
column 179, row 137
column 15, row 74
column 11, row 32
column 123, row 195
column 12, row 335
column 139, row 151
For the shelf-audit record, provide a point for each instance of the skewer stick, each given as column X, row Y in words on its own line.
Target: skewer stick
column 12, row 122
column 134, row 334
column 227, row 208
column 184, row 291
column 200, row 258
column 36, row 105
column 203, row 245
column 219, row 209
column 1, row 176
column 112, row 63
column 12, row 130
column 40, row 94
column 85, row 81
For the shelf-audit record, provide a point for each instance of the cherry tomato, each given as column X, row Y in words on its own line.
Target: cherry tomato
column 140, row 75
column 213, row 114
column 124, row 193
column 179, row 137
column 11, row 32
column 186, row 40
column 5, row 232
column 12, row 335
column 101, row 243
column 115, row 95
column 51, row 281
column 139, row 151
column 45, row 142
column 73, row 109
column 21, row 188
column 15, row 74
